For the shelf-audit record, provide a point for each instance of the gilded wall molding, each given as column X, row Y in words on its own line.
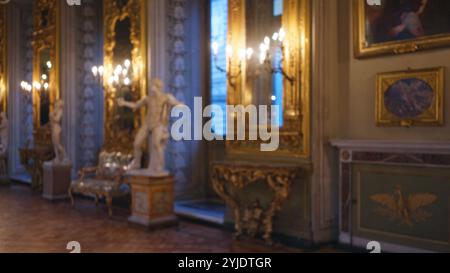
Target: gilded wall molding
column 3, row 59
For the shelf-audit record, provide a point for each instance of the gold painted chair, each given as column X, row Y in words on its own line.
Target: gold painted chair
column 105, row 180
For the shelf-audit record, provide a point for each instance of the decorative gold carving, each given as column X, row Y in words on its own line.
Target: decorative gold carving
column 406, row 210
column 434, row 116
column 46, row 35
column 295, row 132
column 254, row 219
column 3, row 59
column 364, row 50
column 117, row 139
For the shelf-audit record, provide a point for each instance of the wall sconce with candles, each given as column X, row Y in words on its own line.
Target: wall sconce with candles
column 265, row 58
column 42, row 85
column 229, row 51
column 119, row 78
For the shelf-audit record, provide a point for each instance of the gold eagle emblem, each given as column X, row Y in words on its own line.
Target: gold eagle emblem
column 406, row 210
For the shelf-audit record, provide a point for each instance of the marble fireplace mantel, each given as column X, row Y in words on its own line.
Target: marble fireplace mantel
column 427, row 147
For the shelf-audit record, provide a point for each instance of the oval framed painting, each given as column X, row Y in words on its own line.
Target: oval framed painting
column 410, row 98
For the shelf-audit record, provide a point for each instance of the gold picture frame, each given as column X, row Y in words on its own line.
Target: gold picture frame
column 295, row 131
column 46, row 38
column 3, row 60
column 115, row 12
column 410, row 98
column 364, row 48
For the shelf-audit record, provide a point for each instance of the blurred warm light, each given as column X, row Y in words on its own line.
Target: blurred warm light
column 127, row 63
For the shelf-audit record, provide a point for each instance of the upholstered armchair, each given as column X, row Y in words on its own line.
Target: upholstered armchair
column 105, row 180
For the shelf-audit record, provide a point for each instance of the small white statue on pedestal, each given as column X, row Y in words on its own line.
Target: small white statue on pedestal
column 55, row 122
column 155, row 124
column 56, row 180
column 4, row 134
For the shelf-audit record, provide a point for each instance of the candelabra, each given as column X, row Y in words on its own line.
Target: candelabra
column 231, row 77
column 265, row 57
column 41, row 85
column 119, row 78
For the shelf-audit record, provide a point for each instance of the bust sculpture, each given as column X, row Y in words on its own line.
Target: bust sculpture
column 155, row 125
column 4, row 134
column 55, row 122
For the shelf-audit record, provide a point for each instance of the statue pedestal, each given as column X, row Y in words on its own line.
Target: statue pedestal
column 57, row 180
column 152, row 201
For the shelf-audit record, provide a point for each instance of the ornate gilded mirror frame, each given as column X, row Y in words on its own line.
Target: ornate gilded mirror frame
column 295, row 131
column 46, row 54
column 46, row 36
column 116, row 11
column 3, row 59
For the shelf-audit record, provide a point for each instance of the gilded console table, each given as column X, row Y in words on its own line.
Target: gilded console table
column 253, row 219
column 33, row 160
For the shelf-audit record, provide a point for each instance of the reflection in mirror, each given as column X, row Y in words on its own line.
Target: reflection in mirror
column 263, row 24
column 43, row 86
column 44, row 18
column 123, row 117
column 121, row 3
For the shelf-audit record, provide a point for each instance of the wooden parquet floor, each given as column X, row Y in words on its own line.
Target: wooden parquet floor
column 30, row 224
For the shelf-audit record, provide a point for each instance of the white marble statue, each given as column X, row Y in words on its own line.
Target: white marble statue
column 55, row 122
column 4, row 134
column 159, row 105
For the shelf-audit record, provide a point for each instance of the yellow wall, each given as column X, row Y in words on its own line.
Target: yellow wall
column 357, row 87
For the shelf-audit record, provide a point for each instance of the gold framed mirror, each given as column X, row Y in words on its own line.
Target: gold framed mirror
column 45, row 87
column 125, row 64
column 45, row 84
column 3, row 60
column 278, row 76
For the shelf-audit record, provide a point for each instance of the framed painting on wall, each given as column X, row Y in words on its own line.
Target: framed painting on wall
column 399, row 26
column 410, row 98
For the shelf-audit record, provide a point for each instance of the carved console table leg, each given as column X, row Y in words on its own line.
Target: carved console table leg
column 219, row 188
column 282, row 189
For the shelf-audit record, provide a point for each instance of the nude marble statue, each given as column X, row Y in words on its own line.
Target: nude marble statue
column 55, row 122
column 155, row 125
